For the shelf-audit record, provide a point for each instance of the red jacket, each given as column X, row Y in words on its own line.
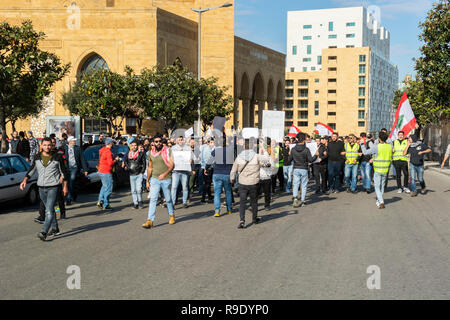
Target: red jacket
column 106, row 161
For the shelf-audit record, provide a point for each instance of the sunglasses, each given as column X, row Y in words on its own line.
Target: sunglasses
column 157, row 141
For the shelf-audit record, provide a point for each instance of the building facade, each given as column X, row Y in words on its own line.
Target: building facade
column 343, row 57
column 141, row 34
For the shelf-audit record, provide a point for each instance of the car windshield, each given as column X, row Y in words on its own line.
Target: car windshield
column 91, row 153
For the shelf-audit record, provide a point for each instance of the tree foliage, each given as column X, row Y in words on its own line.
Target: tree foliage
column 27, row 73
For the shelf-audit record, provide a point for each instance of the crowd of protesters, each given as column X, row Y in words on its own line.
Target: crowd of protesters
column 211, row 166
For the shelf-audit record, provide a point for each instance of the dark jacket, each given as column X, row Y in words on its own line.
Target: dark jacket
column 23, row 148
column 334, row 151
column 366, row 158
column 79, row 157
column 135, row 167
column 322, row 150
column 285, row 154
column 14, row 144
column 301, row 156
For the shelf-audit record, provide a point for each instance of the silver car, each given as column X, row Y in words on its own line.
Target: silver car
column 13, row 169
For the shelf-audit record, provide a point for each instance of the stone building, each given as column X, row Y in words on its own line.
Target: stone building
column 142, row 33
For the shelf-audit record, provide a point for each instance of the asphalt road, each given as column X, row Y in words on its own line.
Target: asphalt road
column 320, row 251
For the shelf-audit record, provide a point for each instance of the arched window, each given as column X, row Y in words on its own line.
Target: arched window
column 94, row 62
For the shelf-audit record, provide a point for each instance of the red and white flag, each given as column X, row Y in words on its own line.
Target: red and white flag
column 323, row 130
column 404, row 119
column 293, row 131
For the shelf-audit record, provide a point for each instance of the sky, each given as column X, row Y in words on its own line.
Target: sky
column 265, row 22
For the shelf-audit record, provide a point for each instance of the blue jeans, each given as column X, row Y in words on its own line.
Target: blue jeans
column 366, row 173
column 416, row 171
column 351, row 172
column 300, row 177
column 222, row 181
column 379, row 180
column 136, row 188
column 155, row 187
column 48, row 197
column 334, row 171
column 73, row 172
column 178, row 176
column 287, row 172
column 201, row 181
column 106, row 190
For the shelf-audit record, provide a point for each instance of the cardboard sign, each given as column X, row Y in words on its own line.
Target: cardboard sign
column 189, row 133
column 273, row 124
column 248, row 133
column 182, row 160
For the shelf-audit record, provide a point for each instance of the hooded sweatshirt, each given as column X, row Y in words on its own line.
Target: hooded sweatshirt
column 301, row 156
column 247, row 165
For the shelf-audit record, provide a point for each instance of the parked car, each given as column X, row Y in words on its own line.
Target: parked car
column 120, row 176
column 13, row 169
column 93, row 135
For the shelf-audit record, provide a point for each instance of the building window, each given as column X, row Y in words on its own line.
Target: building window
column 332, row 80
column 316, row 91
column 361, row 124
column 294, row 50
column 362, row 58
column 303, row 104
column 332, row 47
column 362, row 80
column 313, row 68
column 331, row 91
column 350, row 35
column 303, row 82
column 331, row 102
column 319, row 60
column 292, row 69
column 307, row 37
column 306, row 59
column 288, row 123
column 316, row 108
column 362, row 68
column 303, row 93
column 332, row 69
column 95, row 125
column 308, row 49
column 330, row 26
column 305, row 69
column 289, row 115
column 362, row 92
column 307, row 26
column 303, row 123
column 109, row 3
column 332, row 36
column 316, row 80
column 289, row 104
column 94, row 62
column 349, row 46
column 289, row 83
column 332, row 58
column 361, row 114
column 303, row 115
column 332, row 125
column 289, row 93
column 332, row 114
column 362, row 103
column 351, row 24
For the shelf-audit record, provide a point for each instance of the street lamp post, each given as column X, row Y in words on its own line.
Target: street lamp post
column 199, row 75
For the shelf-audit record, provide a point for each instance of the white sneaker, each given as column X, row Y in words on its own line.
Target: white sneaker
column 378, row 204
column 406, row 190
column 400, row 190
column 148, row 196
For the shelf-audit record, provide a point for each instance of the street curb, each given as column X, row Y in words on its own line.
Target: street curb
column 436, row 168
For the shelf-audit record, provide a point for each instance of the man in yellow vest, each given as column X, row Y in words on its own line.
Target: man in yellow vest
column 381, row 162
column 400, row 162
column 352, row 154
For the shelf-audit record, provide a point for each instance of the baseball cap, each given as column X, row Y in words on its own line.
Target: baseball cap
column 108, row 141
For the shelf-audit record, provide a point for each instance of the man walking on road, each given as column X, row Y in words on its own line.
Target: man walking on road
column 50, row 169
column 381, row 163
column 34, row 146
column 400, row 162
column 352, row 154
column 160, row 166
column 105, row 168
column 416, row 149
column 182, row 170
column 366, row 166
column 76, row 163
column 335, row 148
column 135, row 164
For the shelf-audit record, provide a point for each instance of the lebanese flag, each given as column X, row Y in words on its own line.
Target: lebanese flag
column 404, row 119
column 293, row 131
column 323, row 130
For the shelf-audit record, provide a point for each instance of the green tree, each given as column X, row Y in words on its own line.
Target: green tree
column 27, row 73
column 433, row 66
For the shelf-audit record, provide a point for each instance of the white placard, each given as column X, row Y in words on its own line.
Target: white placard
column 182, row 160
column 273, row 124
column 312, row 146
column 292, row 146
column 189, row 133
column 248, row 133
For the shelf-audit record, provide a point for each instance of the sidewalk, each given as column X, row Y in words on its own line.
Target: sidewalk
column 436, row 166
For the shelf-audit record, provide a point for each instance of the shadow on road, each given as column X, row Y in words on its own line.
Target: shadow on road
column 90, row 227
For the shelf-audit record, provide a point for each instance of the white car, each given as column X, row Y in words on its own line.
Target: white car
column 13, row 169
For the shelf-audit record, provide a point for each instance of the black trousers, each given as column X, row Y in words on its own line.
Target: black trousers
column 61, row 205
column 244, row 192
column 264, row 186
column 323, row 169
column 280, row 177
column 207, row 181
column 399, row 167
column 316, row 174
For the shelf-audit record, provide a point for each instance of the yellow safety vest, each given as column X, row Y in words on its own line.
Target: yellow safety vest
column 399, row 147
column 382, row 161
column 351, row 153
